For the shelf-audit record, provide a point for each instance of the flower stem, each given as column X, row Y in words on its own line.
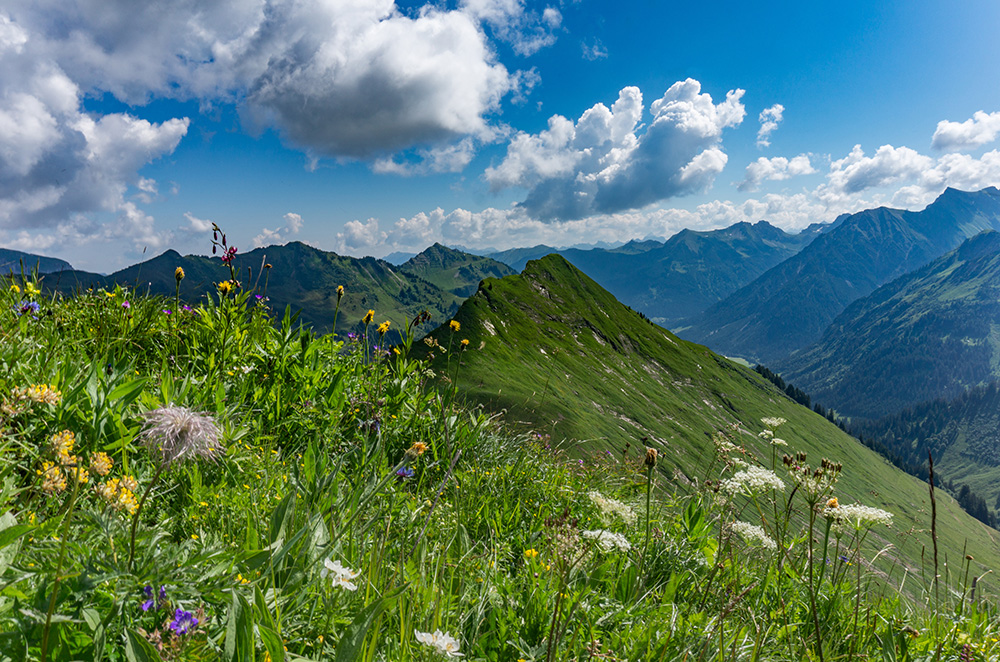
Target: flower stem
column 59, row 565
column 135, row 518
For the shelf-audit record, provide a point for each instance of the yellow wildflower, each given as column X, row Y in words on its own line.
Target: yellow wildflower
column 465, row 342
column 369, row 316
column 31, row 289
column 383, row 327
column 530, row 553
column 101, row 463
column 340, row 291
column 110, row 295
column 15, row 289
column 179, row 274
column 62, row 443
column 454, row 325
column 224, row 287
column 53, row 478
column 833, row 503
column 418, row 448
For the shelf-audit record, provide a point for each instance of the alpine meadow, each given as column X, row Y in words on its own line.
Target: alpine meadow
column 499, row 330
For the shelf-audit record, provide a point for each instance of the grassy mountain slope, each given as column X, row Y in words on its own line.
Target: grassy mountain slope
column 561, row 355
column 790, row 306
column 930, row 334
column 301, row 276
column 963, row 434
column 11, row 261
column 454, row 271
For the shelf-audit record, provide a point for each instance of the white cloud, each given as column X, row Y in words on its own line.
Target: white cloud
column 594, row 50
column 778, row 168
column 890, row 165
column 769, row 119
column 526, row 31
column 979, row 130
column 449, row 158
column 293, row 224
column 356, row 79
column 607, row 162
column 196, row 225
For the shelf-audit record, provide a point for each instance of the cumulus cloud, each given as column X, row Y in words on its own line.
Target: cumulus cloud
column 777, row 169
column 889, row 165
column 357, row 79
column 58, row 162
column 196, row 225
column 293, row 223
column 526, row 31
column 607, row 162
column 981, row 129
column 769, row 119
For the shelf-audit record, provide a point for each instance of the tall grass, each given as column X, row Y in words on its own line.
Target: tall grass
column 356, row 512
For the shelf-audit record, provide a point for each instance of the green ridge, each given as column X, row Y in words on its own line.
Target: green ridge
column 557, row 353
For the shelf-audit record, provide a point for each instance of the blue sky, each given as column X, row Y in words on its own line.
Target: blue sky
column 367, row 127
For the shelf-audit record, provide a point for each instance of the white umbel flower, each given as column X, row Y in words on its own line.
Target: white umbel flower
column 753, row 535
column 608, row 540
column 442, row 641
column 612, row 507
column 342, row 576
column 752, row 479
column 859, row 517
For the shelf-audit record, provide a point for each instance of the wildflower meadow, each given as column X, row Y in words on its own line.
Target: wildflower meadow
column 210, row 481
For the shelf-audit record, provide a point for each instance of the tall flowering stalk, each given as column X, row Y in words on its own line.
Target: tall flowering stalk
column 173, row 435
column 78, row 474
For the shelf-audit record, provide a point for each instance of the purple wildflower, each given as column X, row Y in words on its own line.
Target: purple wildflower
column 166, row 311
column 404, row 473
column 126, row 305
column 352, row 336
column 185, row 307
column 148, row 603
column 27, row 307
column 183, row 622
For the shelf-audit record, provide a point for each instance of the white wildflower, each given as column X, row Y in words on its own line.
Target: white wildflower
column 859, row 516
column 608, row 540
column 765, row 434
column 752, row 534
column 341, row 575
column 778, row 442
column 752, row 479
column 773, row 422
column 442, row 641
column 610, row 507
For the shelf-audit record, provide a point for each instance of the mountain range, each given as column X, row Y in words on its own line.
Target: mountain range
column 932, row 333
column 790, row 306
column 675, row 280
column 14, row 261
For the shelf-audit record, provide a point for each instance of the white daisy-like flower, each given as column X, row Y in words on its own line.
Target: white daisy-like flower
column 753, row 535
column 342, row 576
column 608, row 540
column 752, row 479
column 442, row 641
